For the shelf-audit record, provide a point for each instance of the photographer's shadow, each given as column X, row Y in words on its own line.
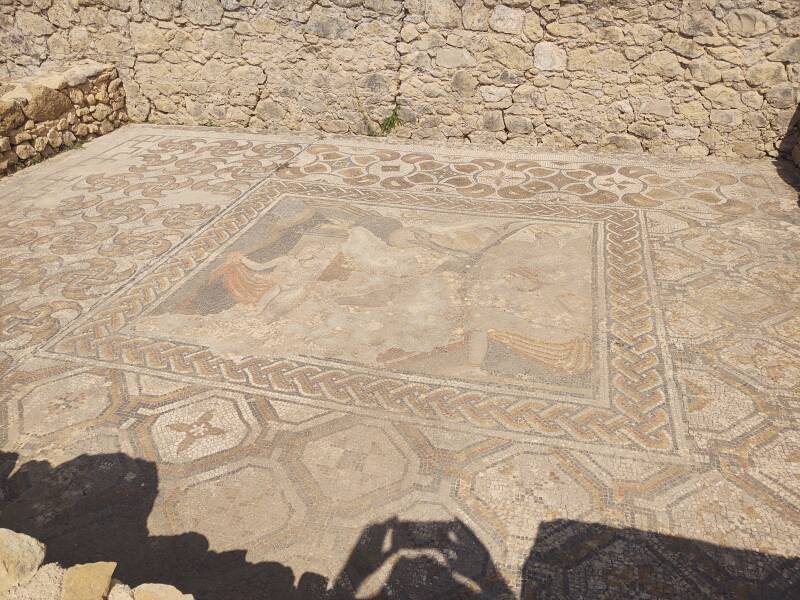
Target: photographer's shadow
column 786, row 168
column 95, row 508
column 572, row 560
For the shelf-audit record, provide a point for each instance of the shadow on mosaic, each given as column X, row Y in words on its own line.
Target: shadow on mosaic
column 789, row 172
column 95, row 507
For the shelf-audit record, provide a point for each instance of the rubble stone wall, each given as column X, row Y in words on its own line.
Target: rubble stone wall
column 53, row 110
column 694, row 77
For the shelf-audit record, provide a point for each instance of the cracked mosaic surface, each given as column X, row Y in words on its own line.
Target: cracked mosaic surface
column 307, row 337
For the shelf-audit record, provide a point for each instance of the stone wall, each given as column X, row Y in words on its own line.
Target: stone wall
column 53, row 110
column 687, row 76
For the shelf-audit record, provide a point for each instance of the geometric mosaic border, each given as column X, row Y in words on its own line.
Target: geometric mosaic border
column 639, row 417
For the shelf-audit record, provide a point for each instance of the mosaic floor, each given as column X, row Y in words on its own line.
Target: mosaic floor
column 292, row 367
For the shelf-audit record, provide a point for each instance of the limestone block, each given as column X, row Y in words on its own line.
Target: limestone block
column 475, row 15
column 89, row 581
column 765, row 73
column 453, row 58
column 749, row 22
column 663, row 64
column 202, row 12
column 330, row 24
column 20, row 554
column 120, row 591
column 788, row 52
column 46, row 103
column 782, row 96
column 158, row 591
column 505, row 19
column 442, row 13
column 532, row 27
column 25, row 151
column 683, row 46
column 548, row 56
column 11, row 116
column 722, row 96
column 159, row 9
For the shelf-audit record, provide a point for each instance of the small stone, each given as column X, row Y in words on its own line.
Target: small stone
column 532, row 27
column 453, row 58
column 548, row 56
column 39, row 144
column 590, row 60
column 330, row 24
column 202, row 12
column 518, row 124
column 83, row 71
column 703, row 70
column 656, row 106
column 442, row 13
column 722, row 96
column 728, row 54
column 494, row 94
column 506, row 20
column 106, row 127
column 729, row 117
column 782, row 96
column 90, row 581
column 475, row 15
column 5, row 144
column 11, row 115
column 493, row 120
column 644, row 34
column 54, row 138
column 765, row 73
column 269, row 110
column 747, row 150
column 683, row 46
column 753, row 99
column 570, row 30
column 464, row 83
column 645, row 130
column 622, row 141
column 662, row 63
column 46, row 104
column 697, row 21
column 679, row 132
column 20, row 554
column 159, row 591
column 33, row 24
column 25, row 151
column 789, row 52
column 120, row 591
column 101, row 112
column 159, row 9
column 749, row 22
column 509, row 55
column 409, row 33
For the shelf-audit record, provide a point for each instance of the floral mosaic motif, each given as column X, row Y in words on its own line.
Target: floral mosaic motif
column 564, row 178
column 201, row 427
column 197, row 430
column 64, row 403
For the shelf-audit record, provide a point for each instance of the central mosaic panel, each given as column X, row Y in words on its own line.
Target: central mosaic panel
column 519, row 318
column 485, row 300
